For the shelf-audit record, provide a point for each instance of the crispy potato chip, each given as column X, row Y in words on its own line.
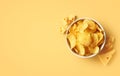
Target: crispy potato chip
column 98, row 28
column 81, row 49
column 63, row 29
column 100, row 42
column 73, row 28
column 67, row 21
column 81, row 27
column 106, row 57
column 100, row 37
column 94, row 40
column 72, row 17
column 91, row 25
column 94, row 50
column 75, row 50
column 72, row 40
column 84, row 38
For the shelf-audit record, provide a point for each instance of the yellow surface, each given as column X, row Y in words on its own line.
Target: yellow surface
column 31, row 45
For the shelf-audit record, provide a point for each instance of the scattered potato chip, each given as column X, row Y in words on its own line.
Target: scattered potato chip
column 108, row 45
column 67, row 21
column 106, row 57
column 72, row 40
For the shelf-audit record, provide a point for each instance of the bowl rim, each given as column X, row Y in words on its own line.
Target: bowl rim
column 104, row 35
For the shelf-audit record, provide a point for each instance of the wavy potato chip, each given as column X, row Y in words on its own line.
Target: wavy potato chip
column 94, row 50
column 75, row 50
column 81, row 49
column 81, row 27
column 100, row 36
column 71, row 40
column 91, row 25
column 73, row 28
column 84, row 38
column 106, row 57
column 94, row 39
column 98, row 28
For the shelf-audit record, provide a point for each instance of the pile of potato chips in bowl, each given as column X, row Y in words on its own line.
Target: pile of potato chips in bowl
column 85, row 37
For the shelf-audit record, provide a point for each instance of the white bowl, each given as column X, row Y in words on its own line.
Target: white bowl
column 101, row 47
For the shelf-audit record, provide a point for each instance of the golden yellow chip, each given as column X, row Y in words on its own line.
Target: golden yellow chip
column 106, row 57
column 81, row 27
column 98, row 28
column 66, row 22
column 91, row 25
column 84, row 38
column 75, row 50
column 81, row 49
column 94, row 50
column 100, row 42
column 73, row 28
column 71, row 40
column 94, row 40
column 100, row 37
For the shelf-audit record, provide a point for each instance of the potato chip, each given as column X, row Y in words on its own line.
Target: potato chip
column 63, row 29
column 100, row 37
column 106, row 57
column 94, row 39
column 94, row 50
column 81, row 49
column 75, row 50
column 72, row 17
column 100, row 42
column 98, row 28
column 73, row 28
column 91, row 25
column 72, row 40
column 67, row 21
column 84, row 38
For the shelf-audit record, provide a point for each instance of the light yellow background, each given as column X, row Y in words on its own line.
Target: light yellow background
column 31, row 44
